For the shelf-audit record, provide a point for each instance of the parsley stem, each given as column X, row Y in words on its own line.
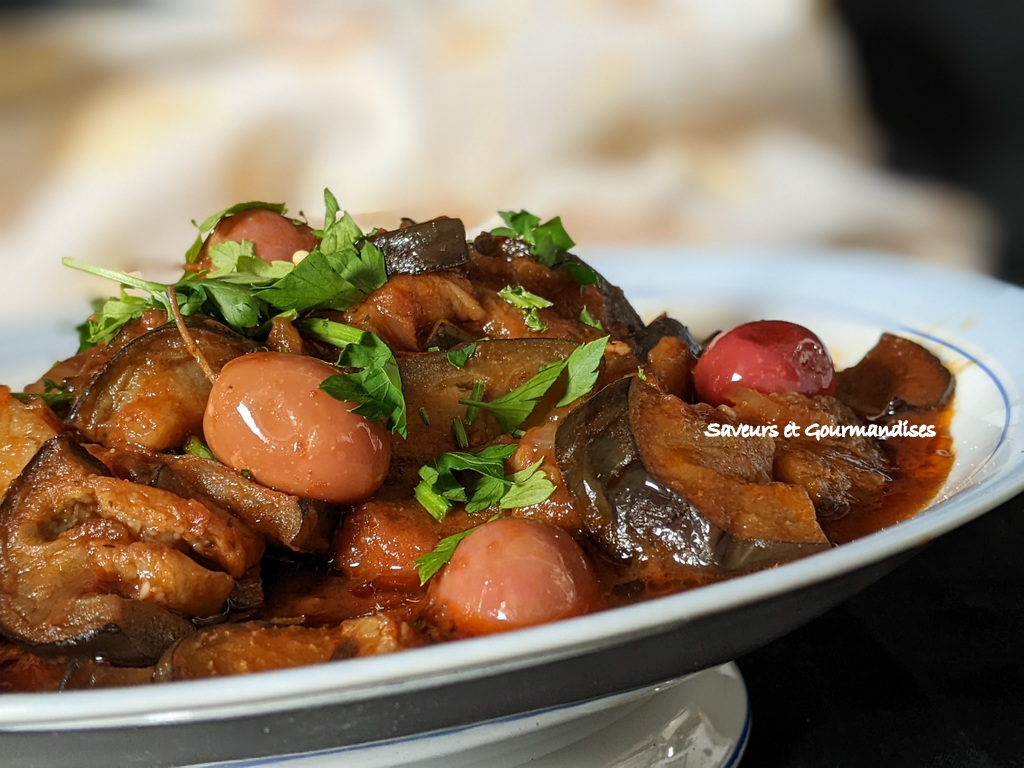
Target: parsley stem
column 186, row 337
column 118, row 277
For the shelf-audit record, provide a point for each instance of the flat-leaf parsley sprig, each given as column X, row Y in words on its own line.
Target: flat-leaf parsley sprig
column 209, row 223
column 244, row 292
column 439, row 487
column 377, row 382
column 512, row 409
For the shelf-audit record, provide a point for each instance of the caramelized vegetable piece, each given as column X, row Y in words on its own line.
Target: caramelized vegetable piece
column 665, row 327
column 427, row 247
column 724, row 477
column 379, row 542
column 24, row 672
column 152, row 393
column 303, row 525
column 405, row 310
column 76, row 372
column 497, row 261
column 896, row 375
column 837, row 472
column 670, row 363
column 653, row 488
column 24, row 427
column 232, row 649
column 21, row 671
column 60, row 593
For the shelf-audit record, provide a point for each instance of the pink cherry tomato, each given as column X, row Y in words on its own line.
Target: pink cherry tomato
column 768, row 356
column 274, row 237
column 266, row 415
column 511, row 573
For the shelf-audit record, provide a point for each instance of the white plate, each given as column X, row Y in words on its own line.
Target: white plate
column 701, row 720
column 970, row 321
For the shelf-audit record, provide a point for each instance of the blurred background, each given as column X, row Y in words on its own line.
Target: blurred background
column 778, row 123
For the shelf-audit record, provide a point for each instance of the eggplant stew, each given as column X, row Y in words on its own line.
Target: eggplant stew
column 321, row 444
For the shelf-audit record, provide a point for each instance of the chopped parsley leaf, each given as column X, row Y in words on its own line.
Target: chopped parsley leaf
column 430, row 563
column 439, row 488
column 459, row 356
column 588, row 319
column 529, row 303
column 243, row 291
column 376, row 385
column 212, row 221
column 549, row 243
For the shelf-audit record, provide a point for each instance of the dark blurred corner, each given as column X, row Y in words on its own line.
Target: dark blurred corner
column 944, row 80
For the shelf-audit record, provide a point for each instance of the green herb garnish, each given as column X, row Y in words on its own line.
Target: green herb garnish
column 472, row 410
column 194, row 446
column 439, row 488
column 53, row 394
column 460, row 355
column 459, row 433
column 513, row 408
column 529, row 303
column 243, row 291
column 429, row 564
column 376, row 385
column 212, row 221
column 549, row 243
column 588, row 319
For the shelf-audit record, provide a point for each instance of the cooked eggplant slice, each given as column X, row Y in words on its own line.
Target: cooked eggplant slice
column 152, row 393
column 670, row 362
column 674, row 495
column 303, row 525
column 433, row 387
column 447, row 335
column 232, row 649
column 24, row 427
column 497, row 261
column 838, row 472
column 426, row 247
column 662, row 327
column 53, row 598
column 896, row 375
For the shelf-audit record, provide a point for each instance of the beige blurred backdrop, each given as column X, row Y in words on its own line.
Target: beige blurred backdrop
column 688, row 122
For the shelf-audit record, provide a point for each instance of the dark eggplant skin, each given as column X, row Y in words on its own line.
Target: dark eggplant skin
column 635, row 515
column 37, row 577
column 896, row 375
column 647, row 338
column 429, row 246
column 600, row 464
column 152, row 393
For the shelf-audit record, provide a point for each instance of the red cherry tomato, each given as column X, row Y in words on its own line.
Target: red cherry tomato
column 274, row 237
column 267, row 415
column 511, row 573
column 768, row 356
